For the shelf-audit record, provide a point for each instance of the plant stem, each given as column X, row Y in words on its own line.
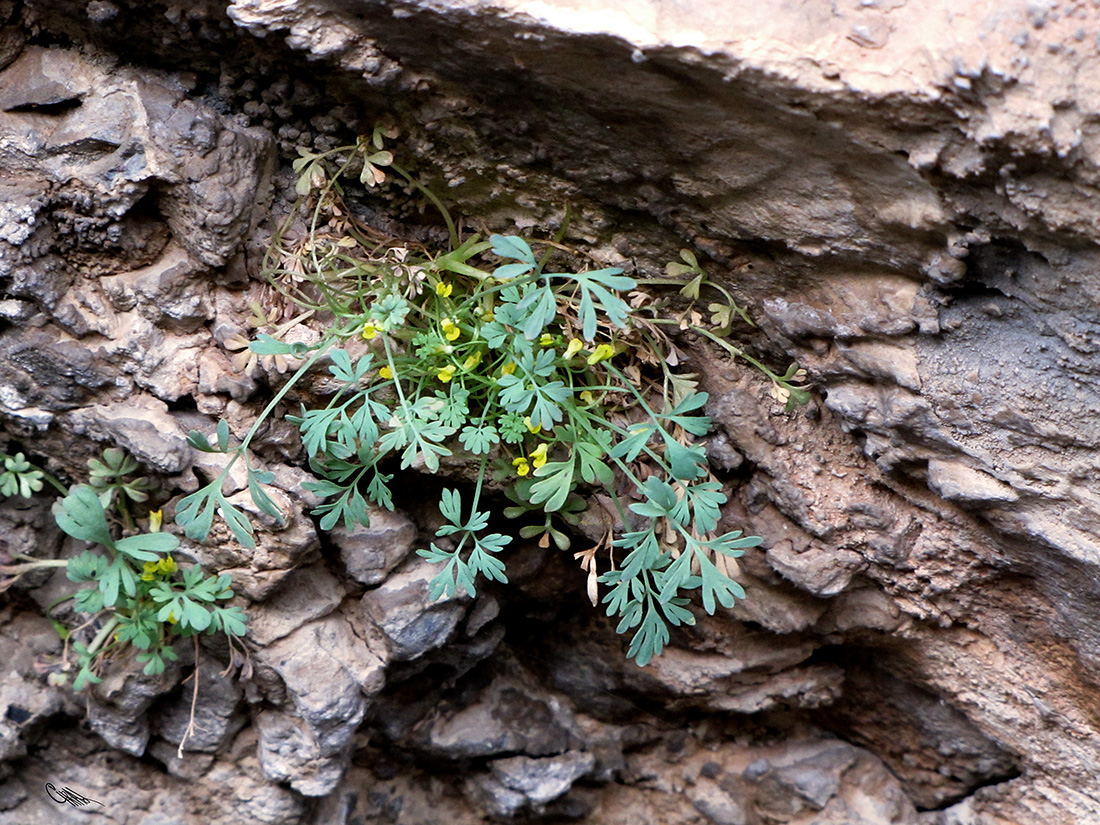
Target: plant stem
column 103, row 635
column 436, row 202
column 194, row 702
column 302, row 370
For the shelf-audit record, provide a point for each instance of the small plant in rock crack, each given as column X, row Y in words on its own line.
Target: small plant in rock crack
column 20, row 477
column 549, row 382
column 139, row 595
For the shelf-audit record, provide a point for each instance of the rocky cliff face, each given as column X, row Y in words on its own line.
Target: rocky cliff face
column 903, row 194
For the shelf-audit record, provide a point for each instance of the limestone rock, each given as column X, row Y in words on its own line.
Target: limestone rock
column 25, row 708
column 717, row 805
column 509, row 715
column 312, row 594
column 370, row 553
column 412, row 622
column 958, row 482
column 142, row 426
column 829, row 783
column 522, row 782
column 117, row 711
column 328, row 670
column 213, row 719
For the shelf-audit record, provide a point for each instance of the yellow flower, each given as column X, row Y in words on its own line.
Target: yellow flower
column 521, row 465
column 385, row 372
column 156, row 518
column 574, row 347
column 149, row 571
column 167, row 566
column 447, row 373
column 508, row 369
column 587, row 397
column 172, row 618
column 369, row 331
column 472, row 361
column 602, row 353
column 532, row 427
column 444, row 289
column 450, row 329
column 538, row 455
column 546, row 339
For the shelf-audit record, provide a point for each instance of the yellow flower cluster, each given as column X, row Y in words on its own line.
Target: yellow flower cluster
column 536, row 459
column 444, row 289
column 152, row 569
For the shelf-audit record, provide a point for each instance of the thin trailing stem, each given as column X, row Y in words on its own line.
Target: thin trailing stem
column 190, row 730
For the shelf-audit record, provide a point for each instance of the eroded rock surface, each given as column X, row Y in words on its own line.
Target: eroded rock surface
column 904, row 195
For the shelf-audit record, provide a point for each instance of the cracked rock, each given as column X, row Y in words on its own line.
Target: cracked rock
column 412, row 622
column 523, row 782
column 370, row 553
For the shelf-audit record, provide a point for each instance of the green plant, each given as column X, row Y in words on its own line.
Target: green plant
column 21, row 478
column 549, row 381
column 138, row 592
column 147, row 605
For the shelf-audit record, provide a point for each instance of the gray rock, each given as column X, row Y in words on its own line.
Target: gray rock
column 12, row 41
column 718, row 806
column 309, row 594
column 25, row 704
column 190, row 767
column 412, row 622
column 863, row 607
column 142, row 426
column 117, row 708
column 957, row 482
column 817, row 570
column 40, row 373
column 847, row 140
column 241, row 793
column 370, row 553
column 520, row 782
column 328, row 671
column 290, row 754
column 43, row 79
column 510, row 715
column 542, row 779
column 215, row 713
column 164, row 292
column 810, row 777
column 27, row 527
column 12, row 792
